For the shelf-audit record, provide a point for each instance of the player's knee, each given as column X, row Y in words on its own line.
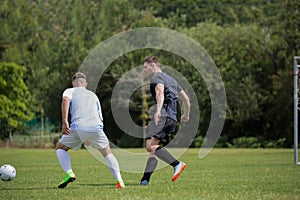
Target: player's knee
column 61, row 146
column 149, row 148
column 105, row 151
column 58, row 146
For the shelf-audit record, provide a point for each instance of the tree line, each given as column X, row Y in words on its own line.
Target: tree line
column 43, row 43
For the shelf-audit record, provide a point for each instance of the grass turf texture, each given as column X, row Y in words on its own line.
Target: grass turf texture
column 223, row 174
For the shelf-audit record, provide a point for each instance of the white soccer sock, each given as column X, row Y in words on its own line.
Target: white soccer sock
column 113, row 166
column 64, row 159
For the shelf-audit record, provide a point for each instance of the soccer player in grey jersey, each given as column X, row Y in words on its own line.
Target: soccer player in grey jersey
column 165, row 91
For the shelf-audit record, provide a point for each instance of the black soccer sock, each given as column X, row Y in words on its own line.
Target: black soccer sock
column 164, row 155
column 150, row 167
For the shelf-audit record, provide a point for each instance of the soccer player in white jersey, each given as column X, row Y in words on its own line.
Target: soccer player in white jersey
column 86, row 127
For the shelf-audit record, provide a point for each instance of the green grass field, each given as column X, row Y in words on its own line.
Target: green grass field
column 223, row 174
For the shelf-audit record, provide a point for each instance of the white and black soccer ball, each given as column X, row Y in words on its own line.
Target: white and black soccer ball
column 7, row 173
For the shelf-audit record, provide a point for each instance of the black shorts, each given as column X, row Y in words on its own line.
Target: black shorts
column 166, row 126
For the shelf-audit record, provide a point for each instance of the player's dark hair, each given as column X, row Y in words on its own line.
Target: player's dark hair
column 151, row 59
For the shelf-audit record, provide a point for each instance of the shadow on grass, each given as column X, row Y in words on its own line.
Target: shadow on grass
column 111, row 185
column 37, row 188
column 103, row 184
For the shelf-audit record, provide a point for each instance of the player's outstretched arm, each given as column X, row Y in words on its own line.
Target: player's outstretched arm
column 159, row 90
column 186, row 106
column 64, row 112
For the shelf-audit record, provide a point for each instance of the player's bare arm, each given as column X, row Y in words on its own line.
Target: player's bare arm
column 159, row 90
column 64, row 112
column 186, row 106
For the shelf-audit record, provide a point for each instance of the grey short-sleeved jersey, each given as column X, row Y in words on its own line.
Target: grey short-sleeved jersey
column 171, row 90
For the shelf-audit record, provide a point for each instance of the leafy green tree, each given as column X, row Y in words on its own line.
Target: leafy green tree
column 16, row 106
column 252, row 44
column 289, row 25
column 221, row 12
column 285, row 45
column 244, row 57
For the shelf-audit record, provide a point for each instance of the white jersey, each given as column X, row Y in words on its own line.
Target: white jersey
column 85, row 110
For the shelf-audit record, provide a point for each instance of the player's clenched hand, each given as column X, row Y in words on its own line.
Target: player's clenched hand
column 185, row 118
column 65, row 128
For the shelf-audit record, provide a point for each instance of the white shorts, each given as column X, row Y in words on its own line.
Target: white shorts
column 75, row 139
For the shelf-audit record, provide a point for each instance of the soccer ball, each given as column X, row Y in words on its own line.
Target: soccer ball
column 7, row 173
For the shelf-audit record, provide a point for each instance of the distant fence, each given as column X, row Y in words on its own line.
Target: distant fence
column 39, row 135
column 32, row 141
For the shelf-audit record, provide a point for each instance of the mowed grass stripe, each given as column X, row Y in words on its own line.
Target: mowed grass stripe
column 223, row 174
